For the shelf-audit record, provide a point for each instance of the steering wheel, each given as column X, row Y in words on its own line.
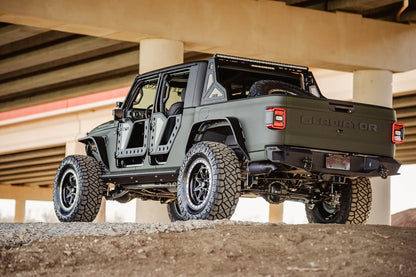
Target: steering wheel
column 148, row 111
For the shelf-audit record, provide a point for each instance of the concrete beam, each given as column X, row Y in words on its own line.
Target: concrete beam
column 67, row 52
column 406, row 146
column 12, row 33
column 358, row 5
column 74, row 91
column 33, row 42
column 26, row 193
column 408, row 122
column 405, row 101
column 410, row 131
column 406, row 112
column 18, row 178
column 27, row 169
column 57, row 77
column 34, row 162
column 31, row 154
column 259, row 29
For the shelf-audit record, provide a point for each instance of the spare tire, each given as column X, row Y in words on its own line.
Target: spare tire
column 268, row 87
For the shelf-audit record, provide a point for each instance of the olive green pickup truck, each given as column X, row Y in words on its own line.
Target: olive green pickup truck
column 199, row 135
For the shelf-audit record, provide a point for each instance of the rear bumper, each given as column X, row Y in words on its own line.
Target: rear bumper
column 314, row 161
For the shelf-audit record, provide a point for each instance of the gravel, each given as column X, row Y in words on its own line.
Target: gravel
column 17, row 234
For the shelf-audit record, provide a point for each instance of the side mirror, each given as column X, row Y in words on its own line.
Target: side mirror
column 119, row 104
column 118, row 114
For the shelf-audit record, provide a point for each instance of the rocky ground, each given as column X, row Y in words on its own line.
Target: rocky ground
column 206, row 248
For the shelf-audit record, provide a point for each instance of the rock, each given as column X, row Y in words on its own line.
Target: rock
column 405, row 218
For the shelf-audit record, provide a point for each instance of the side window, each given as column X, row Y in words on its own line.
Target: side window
column 145, row 95
column 173, row 93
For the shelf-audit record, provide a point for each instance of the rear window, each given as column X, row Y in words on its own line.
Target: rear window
column 238, row 82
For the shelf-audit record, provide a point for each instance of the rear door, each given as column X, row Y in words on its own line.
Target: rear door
column 167, row 114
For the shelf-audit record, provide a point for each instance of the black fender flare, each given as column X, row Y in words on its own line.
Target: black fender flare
column 100, row 144
column 234, row 125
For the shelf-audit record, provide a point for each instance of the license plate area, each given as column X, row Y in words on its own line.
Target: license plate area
column 338, row 162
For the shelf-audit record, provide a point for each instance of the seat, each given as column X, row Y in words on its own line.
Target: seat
column 177, row 108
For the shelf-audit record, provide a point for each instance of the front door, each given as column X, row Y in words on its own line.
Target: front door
column 133, row 129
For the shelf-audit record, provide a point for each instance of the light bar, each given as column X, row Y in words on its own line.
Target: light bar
column 260, row 62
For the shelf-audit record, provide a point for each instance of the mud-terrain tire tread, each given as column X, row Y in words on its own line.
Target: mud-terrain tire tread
column 173, row 212
column 263, row 87
column 356, row 201
column 90, row 186
column 226, row 181
column 361, row 199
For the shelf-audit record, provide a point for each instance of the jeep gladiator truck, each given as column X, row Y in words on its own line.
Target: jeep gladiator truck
column 197, row 136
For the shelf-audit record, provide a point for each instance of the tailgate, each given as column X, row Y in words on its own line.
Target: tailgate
column 339, row 126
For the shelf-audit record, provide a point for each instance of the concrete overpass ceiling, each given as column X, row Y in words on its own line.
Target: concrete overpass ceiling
column 389, row 10
column 35, row 168
column 40, row 65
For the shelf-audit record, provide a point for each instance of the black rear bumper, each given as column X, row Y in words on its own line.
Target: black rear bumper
column 314, row 161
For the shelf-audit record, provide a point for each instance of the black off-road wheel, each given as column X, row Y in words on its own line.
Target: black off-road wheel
column 354, row 206
column 268, row 87
column 78, row 189
column 174, row 212
column 209, row 182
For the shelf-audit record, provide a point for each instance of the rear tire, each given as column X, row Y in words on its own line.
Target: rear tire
column 78, row 189
column 174, row 212
column 354, row 208
column 209, row 183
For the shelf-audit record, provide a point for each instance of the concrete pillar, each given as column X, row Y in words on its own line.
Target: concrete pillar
column 101, row 213
column 74, row 148
column 276, row 213
column 375, row 87
column 155, row 54
column 151, row 212
column 158, row 53
column 19, row 212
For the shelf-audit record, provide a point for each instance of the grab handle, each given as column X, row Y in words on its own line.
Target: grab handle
column 341, row 107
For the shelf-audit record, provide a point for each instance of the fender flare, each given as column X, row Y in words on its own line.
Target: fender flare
column 234, row 125
column 100, row 144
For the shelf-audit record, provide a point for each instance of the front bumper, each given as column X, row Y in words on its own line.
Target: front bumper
column 314, row 161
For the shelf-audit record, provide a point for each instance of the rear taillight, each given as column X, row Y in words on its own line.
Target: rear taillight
column 276, row 118
column 397, row 133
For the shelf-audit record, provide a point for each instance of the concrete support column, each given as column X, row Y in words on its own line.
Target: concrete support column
column 19, row 212
column 158, row 53
column 155, row 54
column 101, row 213
column 276, row 213
column 74, row 148
column 375, row 87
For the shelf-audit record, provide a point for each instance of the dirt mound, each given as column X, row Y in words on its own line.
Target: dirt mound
column 224, row 250
column 405, row 218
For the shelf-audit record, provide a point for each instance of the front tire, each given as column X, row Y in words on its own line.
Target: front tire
column 78, row 189
column 209, row 182
column 354, row 207
column 174, row 212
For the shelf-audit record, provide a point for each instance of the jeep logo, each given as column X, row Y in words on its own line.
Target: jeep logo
column 364, row 126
